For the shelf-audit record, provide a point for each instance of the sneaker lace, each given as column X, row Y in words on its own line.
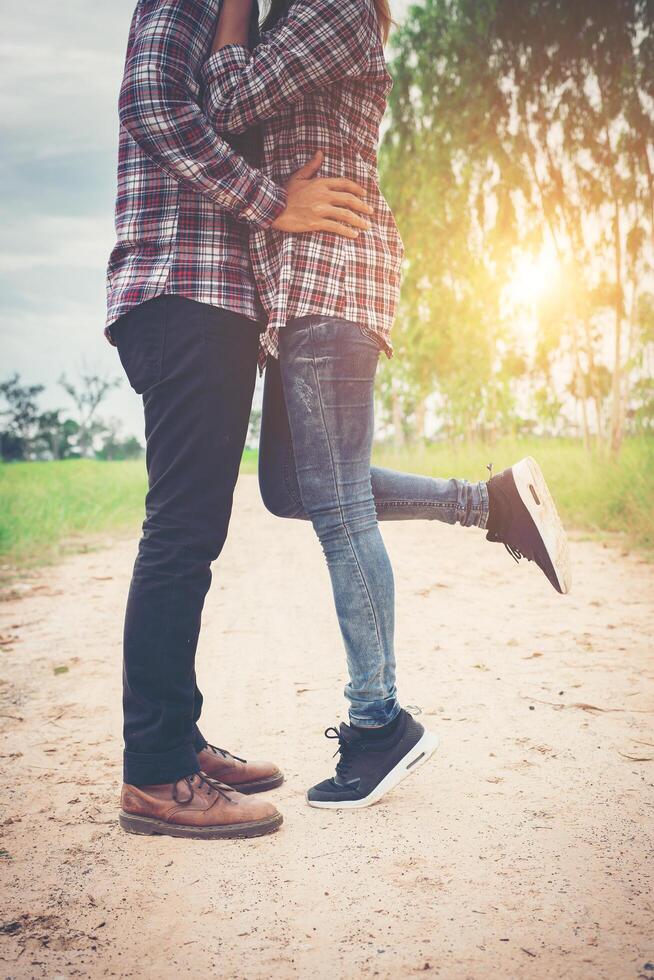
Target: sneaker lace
column 198, row 782
column 346, row 749
column 515, row 554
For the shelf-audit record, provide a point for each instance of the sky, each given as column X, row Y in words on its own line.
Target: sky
column 60, row 69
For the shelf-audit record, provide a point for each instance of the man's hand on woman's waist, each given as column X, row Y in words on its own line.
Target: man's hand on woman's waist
column 323, row 203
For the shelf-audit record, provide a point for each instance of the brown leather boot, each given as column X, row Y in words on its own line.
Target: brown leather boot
column 195, row 807
column 246, row 777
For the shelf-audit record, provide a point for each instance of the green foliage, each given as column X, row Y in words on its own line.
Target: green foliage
column 116, row 448
column 514, row 123
column 449, row 322
column 87, row 395
column 29, row 434
column 20, row 417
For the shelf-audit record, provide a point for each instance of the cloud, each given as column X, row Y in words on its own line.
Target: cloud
column 57, row 240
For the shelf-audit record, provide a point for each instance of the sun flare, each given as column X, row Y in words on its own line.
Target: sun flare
column 533, row 277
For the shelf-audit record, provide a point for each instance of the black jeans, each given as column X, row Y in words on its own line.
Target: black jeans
column 195, row 366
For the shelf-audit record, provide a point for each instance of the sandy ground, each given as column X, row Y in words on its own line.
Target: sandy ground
column 523, row 849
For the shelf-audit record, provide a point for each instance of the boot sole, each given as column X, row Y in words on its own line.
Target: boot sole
column 535, row 495
column 148, row 826
column 415, row 757
column 259, row 785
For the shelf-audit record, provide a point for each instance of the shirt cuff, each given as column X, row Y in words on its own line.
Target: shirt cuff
column 266, row 203
column 218, row 71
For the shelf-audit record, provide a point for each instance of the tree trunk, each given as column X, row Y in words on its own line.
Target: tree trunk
column 580, row 387
column 421, row 411
column 594, row 383
column 616, row 387
column 598, row 416
column 398, row 426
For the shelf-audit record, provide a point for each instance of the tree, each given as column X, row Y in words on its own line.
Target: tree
column 254, row 428
column 513, row 122
column 87, row 396
column 116, row 448
column 580, row 121
column 450, row 324
column 20, row 416
column 114, row 445
column 55, row 437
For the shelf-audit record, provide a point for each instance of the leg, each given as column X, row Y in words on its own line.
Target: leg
column 398, row 496
column 278, row 482
column 501, row 506
column 195, row 367
column 328, row 371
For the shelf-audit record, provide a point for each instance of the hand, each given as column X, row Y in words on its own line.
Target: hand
column 323, row 203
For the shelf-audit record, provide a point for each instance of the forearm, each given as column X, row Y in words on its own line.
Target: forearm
column 157, row 110
column 320, row 43
column 233, row 24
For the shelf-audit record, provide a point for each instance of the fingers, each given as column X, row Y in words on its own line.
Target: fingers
column 343, row 184
column 350, row 201
column 346, row 217
column 337, row 229
column 311, row 167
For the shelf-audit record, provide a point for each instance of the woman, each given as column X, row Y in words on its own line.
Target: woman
column 318, row 80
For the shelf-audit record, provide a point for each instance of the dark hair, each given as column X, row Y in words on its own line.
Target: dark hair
column 276, row 10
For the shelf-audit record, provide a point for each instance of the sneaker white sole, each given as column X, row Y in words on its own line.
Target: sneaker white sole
column 415, row 758
column 538, row 500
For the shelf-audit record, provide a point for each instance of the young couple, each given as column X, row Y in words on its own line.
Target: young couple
column 251, row 228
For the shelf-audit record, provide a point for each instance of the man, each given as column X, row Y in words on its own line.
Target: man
column 184, row 315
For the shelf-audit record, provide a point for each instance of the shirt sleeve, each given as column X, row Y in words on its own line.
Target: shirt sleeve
column 159, row 107
column 318, row 43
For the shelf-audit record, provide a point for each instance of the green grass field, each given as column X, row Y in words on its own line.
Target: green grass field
column 49, row 509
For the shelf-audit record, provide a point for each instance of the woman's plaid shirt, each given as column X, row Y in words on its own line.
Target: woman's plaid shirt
column 186, row 200
column 319, row 82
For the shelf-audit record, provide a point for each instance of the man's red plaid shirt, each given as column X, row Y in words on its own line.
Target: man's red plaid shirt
column 186, row 201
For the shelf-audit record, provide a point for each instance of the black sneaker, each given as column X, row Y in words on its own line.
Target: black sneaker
column 369, row 767
column 524, row 519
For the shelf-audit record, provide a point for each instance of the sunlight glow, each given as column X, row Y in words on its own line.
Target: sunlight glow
column 534, row 276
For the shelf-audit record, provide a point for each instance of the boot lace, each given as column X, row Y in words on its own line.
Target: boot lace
column 225, row 754
column 198, row 782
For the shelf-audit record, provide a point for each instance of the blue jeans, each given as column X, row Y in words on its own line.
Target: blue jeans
column 314, row 464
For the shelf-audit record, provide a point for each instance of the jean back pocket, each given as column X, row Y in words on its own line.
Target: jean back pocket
column 140, row 336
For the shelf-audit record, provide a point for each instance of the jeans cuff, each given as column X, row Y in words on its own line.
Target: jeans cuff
column 154, row 768
column 199, row 741
column 375, row 713
column 484, row 506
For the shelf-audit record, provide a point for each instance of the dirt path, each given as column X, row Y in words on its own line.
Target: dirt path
column 523, row 850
